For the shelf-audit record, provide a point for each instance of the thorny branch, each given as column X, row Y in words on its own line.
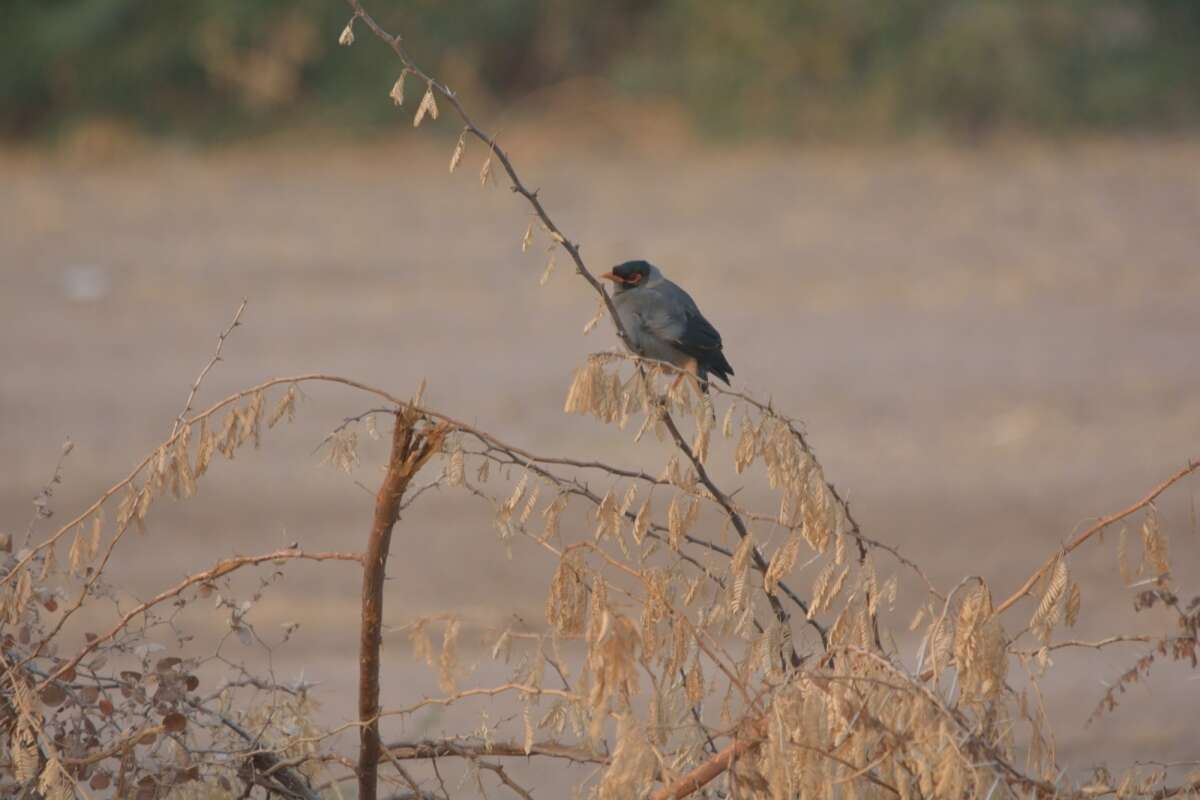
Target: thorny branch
column 439, row 748
column 216, row 356
column 41, row 503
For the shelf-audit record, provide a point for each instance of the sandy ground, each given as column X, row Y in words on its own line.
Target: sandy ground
column 988, row 348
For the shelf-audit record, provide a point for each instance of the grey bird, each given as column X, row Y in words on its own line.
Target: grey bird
column 664, row 323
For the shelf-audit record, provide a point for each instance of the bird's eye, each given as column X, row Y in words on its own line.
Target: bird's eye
column 635, row 278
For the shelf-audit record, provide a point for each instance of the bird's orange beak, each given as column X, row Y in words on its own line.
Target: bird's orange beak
column 608, row 276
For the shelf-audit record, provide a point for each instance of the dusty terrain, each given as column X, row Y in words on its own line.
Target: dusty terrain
column 987, row 347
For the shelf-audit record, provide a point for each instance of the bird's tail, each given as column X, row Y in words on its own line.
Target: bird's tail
column 720, row 369
column 718, row 365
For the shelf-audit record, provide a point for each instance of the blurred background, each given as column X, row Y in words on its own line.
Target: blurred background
column 221, row 69
column 960, row 240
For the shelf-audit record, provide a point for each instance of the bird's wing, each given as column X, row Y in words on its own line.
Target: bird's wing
column 674, row 316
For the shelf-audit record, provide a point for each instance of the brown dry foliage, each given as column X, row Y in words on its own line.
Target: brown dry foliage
column 698, row 644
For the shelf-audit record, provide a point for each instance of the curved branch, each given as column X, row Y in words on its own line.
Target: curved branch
column 1100, row 525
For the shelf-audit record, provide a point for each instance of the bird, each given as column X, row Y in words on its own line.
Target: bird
column 664, row 323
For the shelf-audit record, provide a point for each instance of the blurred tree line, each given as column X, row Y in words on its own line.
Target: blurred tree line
column 804, row 68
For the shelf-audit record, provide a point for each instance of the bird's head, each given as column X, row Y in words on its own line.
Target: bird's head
column 632, row 275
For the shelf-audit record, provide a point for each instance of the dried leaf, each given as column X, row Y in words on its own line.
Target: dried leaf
column 456, row 468
column 1154, row 544
column 428, row 106
column 527, row 512
column 1047, row 611
column 917, row 618
column 1074, row 600
column 448, row 661
column 53, row 695
column 641, row 523
column 782, row 562
column 551, row 514
column 567, row 602
column 458, row 151
column 747, row 446
column 528, row 721
column 1123, row 557
column 819, row 593
column 485, row 172
column 397, row 92
column 55, row 783
column 727, row 423
column 741, row 557
column 675, row 523
column 418, row 637
column 979, row 647
column 285, row 407
column 695, row 682
column 595, row 320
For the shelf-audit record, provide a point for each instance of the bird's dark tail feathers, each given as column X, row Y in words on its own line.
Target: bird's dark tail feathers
column 717, row 365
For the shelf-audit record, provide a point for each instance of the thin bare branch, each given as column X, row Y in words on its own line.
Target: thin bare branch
column 222, row 568
column 216, row 356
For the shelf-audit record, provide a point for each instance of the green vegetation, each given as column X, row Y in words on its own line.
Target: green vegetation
column 795, row 68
